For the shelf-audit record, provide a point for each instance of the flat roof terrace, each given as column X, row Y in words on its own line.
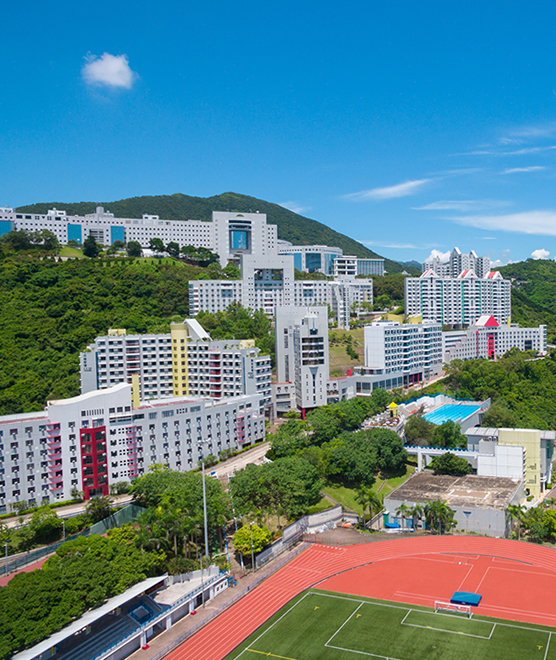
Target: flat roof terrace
column 469, row 491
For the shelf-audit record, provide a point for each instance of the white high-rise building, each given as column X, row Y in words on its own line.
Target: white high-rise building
column 458, row 301
column 412, row 351
column 268, row 282
column 93, row 440
column 302, row 353
column 457, row 263
column 184, row 362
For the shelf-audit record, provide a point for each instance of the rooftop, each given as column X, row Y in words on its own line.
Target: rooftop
column 469, row 491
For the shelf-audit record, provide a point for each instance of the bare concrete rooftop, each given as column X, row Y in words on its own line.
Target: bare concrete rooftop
column 469, row 491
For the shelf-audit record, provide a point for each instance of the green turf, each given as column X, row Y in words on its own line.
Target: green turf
column 320, row 625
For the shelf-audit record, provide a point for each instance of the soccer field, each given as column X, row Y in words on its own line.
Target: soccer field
column 319, row 625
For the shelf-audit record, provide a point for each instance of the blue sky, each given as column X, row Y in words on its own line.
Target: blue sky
column 409, row 126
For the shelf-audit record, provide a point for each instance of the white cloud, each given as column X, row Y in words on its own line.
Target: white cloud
column 390, row 192
column 496, row 263
column 108, row 70
column 517, row 152
column 540, row 254
column 462, row 205
column 528, row 222
column 436, row 254
column 396, row 246
column 295, row 207
column 515, row 170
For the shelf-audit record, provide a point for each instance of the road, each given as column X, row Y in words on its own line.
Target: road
column 236, row 463
column 68, row 511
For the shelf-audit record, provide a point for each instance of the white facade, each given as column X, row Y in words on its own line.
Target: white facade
column 457, row 263
column 487, row 339
column 269, row 282
column 201, row 367
column 458, row 301
column 351, row 266
column 413, row 351
column 93, row 440
column 311, row 258
column 239, row 234
column 302, row 353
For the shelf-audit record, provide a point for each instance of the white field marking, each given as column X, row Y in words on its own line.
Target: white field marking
column 272, row 626
column 452, row 632
column 547, row 646
column 346, row 621
column 470, row 568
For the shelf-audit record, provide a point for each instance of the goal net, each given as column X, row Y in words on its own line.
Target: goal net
column 453, row 608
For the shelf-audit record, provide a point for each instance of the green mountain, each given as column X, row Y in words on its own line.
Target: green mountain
column 291, row 227
column 533, row 293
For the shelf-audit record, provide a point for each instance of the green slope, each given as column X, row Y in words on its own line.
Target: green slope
column 291, row 227
column 533, row 293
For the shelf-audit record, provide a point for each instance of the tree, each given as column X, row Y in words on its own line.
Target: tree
column 449, row 435
column 99, row 508
column 362, row 498
column 242, row 539
column 416, row 513
column 375, row 505
column 439, row 516
column 134, row 249
column 156, row 245
column 173, row 249
column 449, row 463
column 403, row 511
column 231, row 271
column 90, row 247
column 417, row 431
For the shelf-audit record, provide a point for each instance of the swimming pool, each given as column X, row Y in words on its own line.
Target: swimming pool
column 450, row 411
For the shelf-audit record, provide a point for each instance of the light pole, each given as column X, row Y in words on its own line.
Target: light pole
column 252, row 551
column 205, row 520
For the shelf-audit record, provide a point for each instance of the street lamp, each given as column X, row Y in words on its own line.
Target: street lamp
column 252, row 551
column 205, row 520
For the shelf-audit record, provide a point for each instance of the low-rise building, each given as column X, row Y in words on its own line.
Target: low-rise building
column 479, row 503
column 489, row 339
column 95, row 439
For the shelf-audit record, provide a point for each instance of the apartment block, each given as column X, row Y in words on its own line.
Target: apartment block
column 457, row 263
column 185, row 362
column 458, row 301
column 411, row 351
column 302, row 353
column 95, row 439
column 490, row 340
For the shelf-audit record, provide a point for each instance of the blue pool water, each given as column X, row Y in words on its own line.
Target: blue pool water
column 450, row 411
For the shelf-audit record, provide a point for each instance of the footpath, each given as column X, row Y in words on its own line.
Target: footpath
column 166, row 638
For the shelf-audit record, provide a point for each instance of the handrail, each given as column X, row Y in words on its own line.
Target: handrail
column 179, row 640
column 156, row 617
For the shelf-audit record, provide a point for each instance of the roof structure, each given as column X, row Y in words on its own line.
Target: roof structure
column 469, row 491
column 89, row 617
column 486, row 321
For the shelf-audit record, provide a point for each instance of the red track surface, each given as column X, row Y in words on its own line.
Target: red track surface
column 517, row 581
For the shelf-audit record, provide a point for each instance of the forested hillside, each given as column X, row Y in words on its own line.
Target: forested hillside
column 533, row 293
column 291, row 226
column 49, row 312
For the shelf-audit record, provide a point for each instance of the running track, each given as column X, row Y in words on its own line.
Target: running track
column 499, row 579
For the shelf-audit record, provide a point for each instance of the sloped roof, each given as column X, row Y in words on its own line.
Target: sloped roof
column 486, row 321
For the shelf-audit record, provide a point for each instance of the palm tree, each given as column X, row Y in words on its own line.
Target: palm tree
column 362, row 498
column 416, row 512
column 375, row 505
column 403, row 511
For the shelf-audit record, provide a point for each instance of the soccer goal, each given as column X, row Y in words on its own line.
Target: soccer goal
column 452, row 608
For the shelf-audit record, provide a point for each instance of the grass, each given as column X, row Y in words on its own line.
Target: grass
column 72, row 252
column 339, row 359
column 319, row 625
column 346, row 496
column 320, row 506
